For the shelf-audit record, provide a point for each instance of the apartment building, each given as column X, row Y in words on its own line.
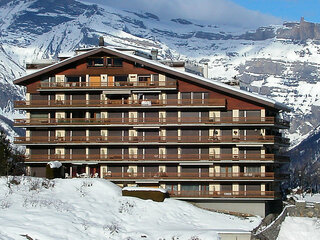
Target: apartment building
column 109, row 113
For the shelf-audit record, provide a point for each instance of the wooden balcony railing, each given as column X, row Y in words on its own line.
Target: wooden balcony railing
column 150, row 139
column 224, row 194
column 120, row 103
column 139, row 121
column 155, row 157
column 197, row 175
column 106, row 85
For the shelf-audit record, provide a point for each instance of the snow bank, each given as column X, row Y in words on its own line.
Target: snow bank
column 95, row 209
column 297, row 228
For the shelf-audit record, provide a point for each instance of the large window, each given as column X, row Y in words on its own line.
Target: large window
column 114, row 62
column 95, row 62
column 121, row 78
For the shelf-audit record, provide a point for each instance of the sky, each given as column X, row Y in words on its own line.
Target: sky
column 289, row 10
column 238, row 13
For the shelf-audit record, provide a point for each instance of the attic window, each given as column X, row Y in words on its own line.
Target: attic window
column 114, row 62
column 95, row 62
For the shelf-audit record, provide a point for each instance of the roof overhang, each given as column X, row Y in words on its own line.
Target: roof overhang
column 162, row 68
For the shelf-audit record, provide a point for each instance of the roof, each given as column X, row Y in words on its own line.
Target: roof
column 163, row 68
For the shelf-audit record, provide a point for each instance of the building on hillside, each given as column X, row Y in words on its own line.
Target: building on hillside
column 110, row 113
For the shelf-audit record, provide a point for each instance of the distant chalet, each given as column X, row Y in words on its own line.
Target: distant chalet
column 137, row 122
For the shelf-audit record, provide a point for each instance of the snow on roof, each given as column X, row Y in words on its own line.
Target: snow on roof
column 144, row 189
column 54, row 164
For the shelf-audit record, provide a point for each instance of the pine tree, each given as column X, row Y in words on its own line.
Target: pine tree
column 10, row 159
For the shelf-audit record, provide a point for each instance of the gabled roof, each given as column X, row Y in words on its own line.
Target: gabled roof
column 163, row 68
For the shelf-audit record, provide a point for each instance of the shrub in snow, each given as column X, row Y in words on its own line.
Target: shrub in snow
column 4, row 203
column 194, row 238
column 126, row 207
column 35, row 185
column 83, row 188
column 112, row 228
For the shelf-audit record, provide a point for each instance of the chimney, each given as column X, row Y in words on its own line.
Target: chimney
column 101, row 41
column 154, row 54
column 205, row 70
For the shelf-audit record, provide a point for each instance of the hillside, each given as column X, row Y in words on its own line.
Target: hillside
column 281, row 62
column 95, row 209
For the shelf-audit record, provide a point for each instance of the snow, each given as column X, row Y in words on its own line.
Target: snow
column 94, row 209
column 297, row 228
column 144, row 189
column 54, row 164
column 307, row 197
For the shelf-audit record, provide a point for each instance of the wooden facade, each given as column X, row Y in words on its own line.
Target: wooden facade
column 135, row 122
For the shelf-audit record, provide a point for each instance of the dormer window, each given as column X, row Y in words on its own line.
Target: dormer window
column 95, row 62
column 114, row 62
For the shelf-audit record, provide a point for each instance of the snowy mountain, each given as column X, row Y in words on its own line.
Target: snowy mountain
column 281, row 62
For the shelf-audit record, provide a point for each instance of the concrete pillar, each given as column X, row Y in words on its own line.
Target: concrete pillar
column 217, row 170
column 235, row 188
column 211, row 171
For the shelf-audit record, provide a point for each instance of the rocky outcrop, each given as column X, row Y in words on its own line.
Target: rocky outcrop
column 300, row 31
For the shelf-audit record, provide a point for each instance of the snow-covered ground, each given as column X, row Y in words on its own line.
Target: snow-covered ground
column 95, row 209
column 298, row 228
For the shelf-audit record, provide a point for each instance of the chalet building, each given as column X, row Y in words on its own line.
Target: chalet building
column 109, row 113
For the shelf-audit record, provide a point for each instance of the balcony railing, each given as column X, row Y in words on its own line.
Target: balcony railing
column 151, row 139
column 224, row 194
column 120, row 103
column 182, row 175
column 155, row 157
column 107, row 85
column 139, row 121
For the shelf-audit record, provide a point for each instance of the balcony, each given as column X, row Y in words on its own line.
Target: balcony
column 171, row 84
column 156, row 157
column 223, row 194
column 204, row 176
column 151, row 139
column 206, row 121
column 120, row 103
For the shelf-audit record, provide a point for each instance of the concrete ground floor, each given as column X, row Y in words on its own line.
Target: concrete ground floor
column 260, row 207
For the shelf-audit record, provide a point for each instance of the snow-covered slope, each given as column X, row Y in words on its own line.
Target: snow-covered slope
column 94, row 209
column 296, row 228
column 282, row 62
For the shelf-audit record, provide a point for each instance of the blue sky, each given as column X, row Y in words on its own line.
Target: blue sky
column 288, row 10
column 238, row 13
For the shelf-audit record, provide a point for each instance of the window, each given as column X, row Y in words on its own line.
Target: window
column 114, row 62
column 144, row 78
column 39, row 115
column 73, row 78
column 121, row 78
column 253, row 169
column 95, row 62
